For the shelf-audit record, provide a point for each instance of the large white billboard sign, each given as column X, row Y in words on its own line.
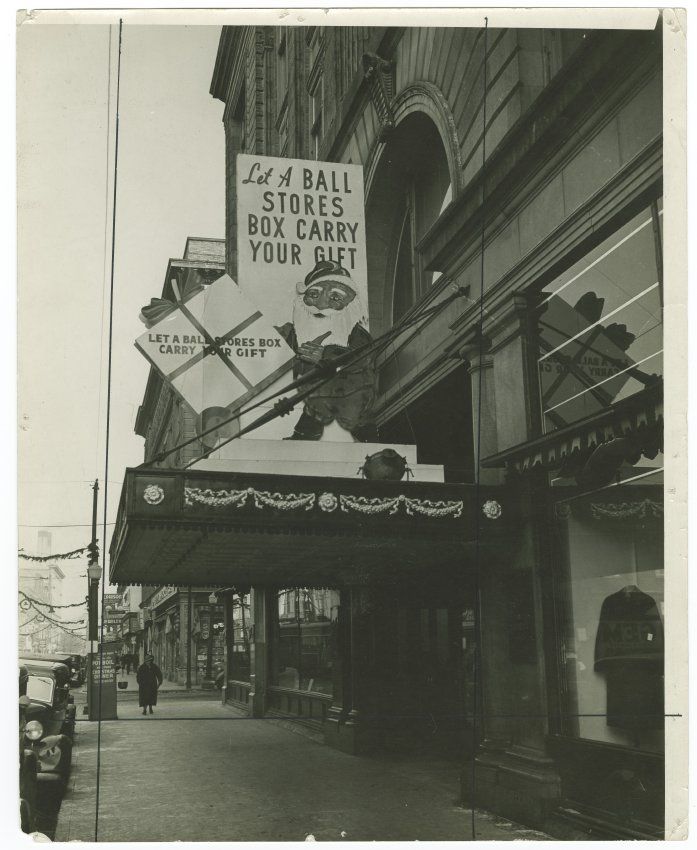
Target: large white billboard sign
column 292, row 214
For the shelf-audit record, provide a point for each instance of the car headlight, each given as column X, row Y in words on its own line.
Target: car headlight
column 33, row 730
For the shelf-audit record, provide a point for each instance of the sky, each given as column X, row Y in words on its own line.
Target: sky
column 170, row 185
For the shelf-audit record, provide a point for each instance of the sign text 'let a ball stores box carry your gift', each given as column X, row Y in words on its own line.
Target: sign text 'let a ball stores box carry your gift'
column 292, row 214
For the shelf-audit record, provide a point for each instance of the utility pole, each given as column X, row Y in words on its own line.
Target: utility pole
column 188, row 640
column 92, row 585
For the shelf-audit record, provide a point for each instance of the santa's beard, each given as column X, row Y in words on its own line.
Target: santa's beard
column 340, row 322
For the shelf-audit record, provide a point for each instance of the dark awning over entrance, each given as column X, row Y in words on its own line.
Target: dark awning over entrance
column 638, row 418
column 191, row 527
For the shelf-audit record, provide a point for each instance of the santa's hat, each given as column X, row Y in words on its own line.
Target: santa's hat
column 327, row 271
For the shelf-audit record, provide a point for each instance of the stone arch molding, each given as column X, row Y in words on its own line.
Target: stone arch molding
column 426, row 98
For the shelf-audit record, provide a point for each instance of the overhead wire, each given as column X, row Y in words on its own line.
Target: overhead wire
column 478, row 440
column 108, row 407
column 283, row 406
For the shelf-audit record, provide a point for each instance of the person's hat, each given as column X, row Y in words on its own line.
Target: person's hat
column 327, row 271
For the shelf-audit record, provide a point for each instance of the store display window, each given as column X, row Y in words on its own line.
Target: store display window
column 609, row 547
column 600, row 324
column 305, row 645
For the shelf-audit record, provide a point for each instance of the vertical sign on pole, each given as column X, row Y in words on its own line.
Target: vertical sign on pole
column 102, row 683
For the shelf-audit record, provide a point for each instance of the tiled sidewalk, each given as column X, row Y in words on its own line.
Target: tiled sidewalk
column 200, row 771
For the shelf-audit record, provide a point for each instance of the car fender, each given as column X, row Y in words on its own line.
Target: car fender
column 52, row 752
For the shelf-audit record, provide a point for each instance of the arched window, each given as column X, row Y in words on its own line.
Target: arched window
column 410, row 190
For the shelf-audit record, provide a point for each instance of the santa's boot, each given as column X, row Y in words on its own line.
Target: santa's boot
column 307, row 428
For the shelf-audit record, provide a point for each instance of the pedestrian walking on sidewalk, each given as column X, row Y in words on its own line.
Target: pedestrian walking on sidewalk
column 149, row 677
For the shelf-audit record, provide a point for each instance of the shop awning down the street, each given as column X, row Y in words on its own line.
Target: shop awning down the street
column 191, row 527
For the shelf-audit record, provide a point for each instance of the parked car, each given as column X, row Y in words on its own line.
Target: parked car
column 28, row 765
column 75, row 663
column 50, row 718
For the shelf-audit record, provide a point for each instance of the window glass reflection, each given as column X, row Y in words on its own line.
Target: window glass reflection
column 305, row 647
column 40, row 689
column 600, row 332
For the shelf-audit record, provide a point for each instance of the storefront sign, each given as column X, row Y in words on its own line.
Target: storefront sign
column 216, row 348
column 104, row 666
column 161, row 596
column 112, row 600
column 293, row 213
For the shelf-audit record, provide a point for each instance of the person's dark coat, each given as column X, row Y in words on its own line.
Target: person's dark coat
column 149, row 677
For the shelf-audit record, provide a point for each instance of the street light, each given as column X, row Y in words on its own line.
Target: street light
column 94, row 574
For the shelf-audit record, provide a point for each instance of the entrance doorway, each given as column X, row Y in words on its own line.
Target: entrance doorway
column 416, row 662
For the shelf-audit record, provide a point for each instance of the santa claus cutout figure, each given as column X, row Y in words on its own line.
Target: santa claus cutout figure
column 328, row 320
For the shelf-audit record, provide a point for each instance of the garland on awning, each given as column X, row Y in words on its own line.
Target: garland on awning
column 421, row 507
column 239, row 498
column 327, row 502
column 63, row 556
column 626, row 510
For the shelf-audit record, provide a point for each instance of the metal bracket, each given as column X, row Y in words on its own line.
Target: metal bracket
column 379, row 74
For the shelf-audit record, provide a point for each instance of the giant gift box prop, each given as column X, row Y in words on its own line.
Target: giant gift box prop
column 214, row 346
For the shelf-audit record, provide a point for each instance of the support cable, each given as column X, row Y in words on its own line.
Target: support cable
column 318, row 377
column 477, row 470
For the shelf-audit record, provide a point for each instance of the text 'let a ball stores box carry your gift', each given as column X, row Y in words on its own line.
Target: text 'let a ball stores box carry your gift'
column 291, row 215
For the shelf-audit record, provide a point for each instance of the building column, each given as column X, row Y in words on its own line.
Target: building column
column 511, row 773
column 262, row 600
column 229, row 636
column 340, row 724
column 480, row 366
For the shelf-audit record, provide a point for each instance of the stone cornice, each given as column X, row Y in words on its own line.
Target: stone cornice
column 631, row 187
column 607, row 71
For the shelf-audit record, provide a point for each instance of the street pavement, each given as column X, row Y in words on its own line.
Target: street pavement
column 200, row 771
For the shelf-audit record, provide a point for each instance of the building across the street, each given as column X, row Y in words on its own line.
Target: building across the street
column 504, row 606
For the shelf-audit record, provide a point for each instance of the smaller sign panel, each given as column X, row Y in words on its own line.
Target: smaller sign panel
column 104, row 666
column 216, row 348
column 113, row 599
